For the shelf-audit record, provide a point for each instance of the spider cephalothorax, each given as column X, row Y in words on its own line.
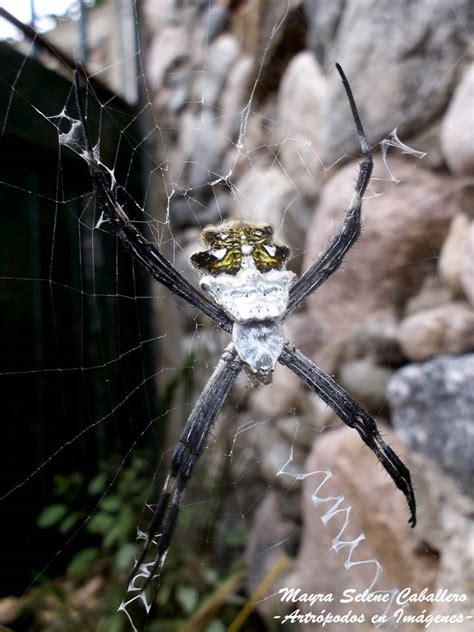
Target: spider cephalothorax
column 229, row 243
column 248, row 292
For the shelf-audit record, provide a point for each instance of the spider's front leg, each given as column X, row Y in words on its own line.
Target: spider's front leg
column 349, row 411
column 185, row 457
column 332, row 257
column 140, row 248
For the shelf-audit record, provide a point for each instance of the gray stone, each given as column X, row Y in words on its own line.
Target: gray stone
column 453, row 251
column 221, row 57
column 281, row 461
column 445, row 329
column 377, row 340
column 366, row 382
column 273, row 32
column 297, row 433
column 169, row 49
column 446, row 525
column 233, row 100
column 199, row 153
column 299, row 123
column 398, row 77
column 158, row 14
column 323, row 20
column 457, row 133
column 279, row 397
column 433, row 293
column 427, row 141
column 433, row 410
column 270, row 538
column 466, row 272
column 217, row 16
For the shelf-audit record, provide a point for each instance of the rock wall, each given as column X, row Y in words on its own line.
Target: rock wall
column 254, row 124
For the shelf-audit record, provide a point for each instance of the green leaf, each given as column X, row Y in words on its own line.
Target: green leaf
column 111, row 537
column 216, row 626
column 235, row 537
column 100, row 523
column 210, row 575
column 125, row 557
column 97, row 484
column 112, row 624
column 51, row 515
column 83, row 560
column 69, row 521
column 187, row 597
column 111, row 503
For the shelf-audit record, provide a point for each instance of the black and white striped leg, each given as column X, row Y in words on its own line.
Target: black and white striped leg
column 349, row 411
column 141, row 249
column 186, row 454
column 332, row 257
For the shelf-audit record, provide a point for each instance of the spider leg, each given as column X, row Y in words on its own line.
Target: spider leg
column 332, row 257
column 349, row 411
column 141, row 249
column 185, row 457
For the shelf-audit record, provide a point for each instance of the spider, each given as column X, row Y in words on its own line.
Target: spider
column 248, row 292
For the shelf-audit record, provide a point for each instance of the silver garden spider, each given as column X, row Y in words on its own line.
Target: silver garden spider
column 248, row 292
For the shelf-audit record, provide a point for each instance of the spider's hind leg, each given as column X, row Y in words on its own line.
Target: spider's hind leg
column 186, row 454
column 349, row 411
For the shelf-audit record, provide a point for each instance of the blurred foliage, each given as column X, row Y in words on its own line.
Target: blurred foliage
column 193, row 595
column 97, row 520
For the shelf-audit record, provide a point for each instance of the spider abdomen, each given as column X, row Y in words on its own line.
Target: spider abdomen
column 258, row 344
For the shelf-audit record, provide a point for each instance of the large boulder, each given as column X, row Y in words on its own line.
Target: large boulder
column 467, row 266
column 403, row 230
column 457, row 132
column 433, row 410
column 446, row 528
column 266, row 554
column 453, row 252
column 300, row 122
column 445, row 329
column 358, row 498
column 390, row 52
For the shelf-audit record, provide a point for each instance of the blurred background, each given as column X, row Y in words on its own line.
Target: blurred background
column 216, row 110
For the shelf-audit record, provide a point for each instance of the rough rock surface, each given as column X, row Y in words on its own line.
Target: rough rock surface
column 445, row 329
column 446, row 527
column 432, row 294
column 433, row 410
column 413, row 82
column 378, row 511
column 279, row 397
column 457, row 132
column 402, row 234
column 299, row 123
column 366, row 382
column 466, row 273
column 453, row 252
column 270, row 539
column 323, row 19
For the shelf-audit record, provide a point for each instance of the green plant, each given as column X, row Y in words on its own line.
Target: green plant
column 107, row 507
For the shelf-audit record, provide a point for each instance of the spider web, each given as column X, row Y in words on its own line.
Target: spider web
column 97, row 387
